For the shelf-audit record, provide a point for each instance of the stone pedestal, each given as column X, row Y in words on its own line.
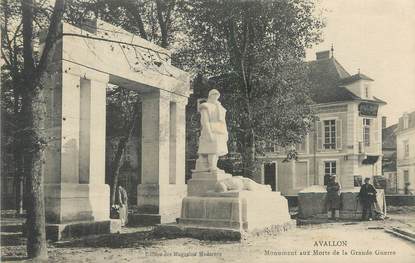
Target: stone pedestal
column 203, row 181
column 230, row 215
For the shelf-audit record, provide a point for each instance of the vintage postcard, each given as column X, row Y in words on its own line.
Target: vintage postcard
column 207, row 131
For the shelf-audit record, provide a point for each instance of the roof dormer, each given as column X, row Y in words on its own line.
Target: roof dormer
column 359, row 84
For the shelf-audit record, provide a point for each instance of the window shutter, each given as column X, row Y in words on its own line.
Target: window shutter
column 338, row 134
column 319, row 131
column 360, row 130
column 360, row 144
column 375, row 128
column 321, row 173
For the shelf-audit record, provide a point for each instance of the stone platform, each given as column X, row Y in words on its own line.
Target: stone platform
column 57, row 232
column 312, row 203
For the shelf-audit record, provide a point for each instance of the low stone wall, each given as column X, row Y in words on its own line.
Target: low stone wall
column 400, row 200
column 312, row 203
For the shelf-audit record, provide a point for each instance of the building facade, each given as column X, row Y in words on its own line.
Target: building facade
column 405, row 142
column 346, row 139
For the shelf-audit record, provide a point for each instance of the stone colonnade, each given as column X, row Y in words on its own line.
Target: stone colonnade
column 75, row 189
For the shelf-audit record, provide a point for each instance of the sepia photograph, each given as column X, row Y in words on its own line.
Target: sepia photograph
column 207, row 131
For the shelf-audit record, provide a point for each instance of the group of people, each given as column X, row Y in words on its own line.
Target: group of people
column 366, row 196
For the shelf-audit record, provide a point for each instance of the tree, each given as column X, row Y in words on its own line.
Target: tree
column 33, row 135
column 123, row 119
column 151, row 20
column 254, row 50
column 12, row 82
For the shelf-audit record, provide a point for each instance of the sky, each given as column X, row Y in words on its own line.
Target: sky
column 377, row 36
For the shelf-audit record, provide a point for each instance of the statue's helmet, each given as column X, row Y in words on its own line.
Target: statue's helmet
column 214, row 92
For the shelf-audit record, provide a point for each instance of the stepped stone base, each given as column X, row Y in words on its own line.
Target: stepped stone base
column 230, row 215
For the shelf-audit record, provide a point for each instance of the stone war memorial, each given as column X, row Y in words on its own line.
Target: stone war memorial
column 219, row 205
column 85, row 61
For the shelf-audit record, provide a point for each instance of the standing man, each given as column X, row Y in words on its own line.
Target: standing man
column 333, row 198
column 367, row 197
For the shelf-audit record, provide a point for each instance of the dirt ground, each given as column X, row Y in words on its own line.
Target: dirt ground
column 362, row 241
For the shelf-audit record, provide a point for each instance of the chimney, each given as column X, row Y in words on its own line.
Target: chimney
column 383, row 122
column 323, row 55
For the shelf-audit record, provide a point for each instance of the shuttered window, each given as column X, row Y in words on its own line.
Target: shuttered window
column 366, row 131
column 329, row 134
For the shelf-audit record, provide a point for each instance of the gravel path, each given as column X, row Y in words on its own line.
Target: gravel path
column 363, row 242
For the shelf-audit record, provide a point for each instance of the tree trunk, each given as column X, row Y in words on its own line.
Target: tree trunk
column 122, row 144
column 248, row 153
column 116, row 165
column 35, row 223
column 34, row 114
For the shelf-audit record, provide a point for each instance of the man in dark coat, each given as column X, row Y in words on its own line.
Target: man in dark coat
column 367, row 197
column 333, row 198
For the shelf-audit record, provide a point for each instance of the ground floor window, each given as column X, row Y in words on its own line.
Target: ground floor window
column 329, row 170
column 406, row 176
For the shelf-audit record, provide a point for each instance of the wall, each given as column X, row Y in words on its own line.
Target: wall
column 405, row 162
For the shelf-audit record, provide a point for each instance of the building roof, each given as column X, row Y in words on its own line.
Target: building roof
column 411, row 121
column 324, row 75
column 389, row 137
column 354, row 78
column 327, row 78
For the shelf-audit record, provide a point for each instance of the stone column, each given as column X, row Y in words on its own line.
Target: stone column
column 75, row 188
column 159, row 195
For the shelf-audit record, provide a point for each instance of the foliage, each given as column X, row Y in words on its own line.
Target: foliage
column 253, row 52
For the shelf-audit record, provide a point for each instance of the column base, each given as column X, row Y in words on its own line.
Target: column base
column 158, row 204
column 57, row 232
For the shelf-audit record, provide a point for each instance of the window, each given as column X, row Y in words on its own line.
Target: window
column 270, row 146
column 330, row 134
column 366, row 131
column 405, row 121
column 329, row 169
column 367, row 91
column 302, row 147
column 406, row 148
column 406, row 176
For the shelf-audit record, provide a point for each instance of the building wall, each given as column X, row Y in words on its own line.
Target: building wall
column 405, row 162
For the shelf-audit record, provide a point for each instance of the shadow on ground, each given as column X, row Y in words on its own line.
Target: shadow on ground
column 125, row 240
